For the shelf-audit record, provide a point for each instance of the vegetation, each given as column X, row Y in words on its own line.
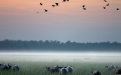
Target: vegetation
column 39, row 68
column 57, row 45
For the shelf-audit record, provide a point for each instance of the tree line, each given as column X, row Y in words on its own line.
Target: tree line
column 57, row 45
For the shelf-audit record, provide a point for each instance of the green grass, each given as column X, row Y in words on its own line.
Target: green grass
column 39, row 67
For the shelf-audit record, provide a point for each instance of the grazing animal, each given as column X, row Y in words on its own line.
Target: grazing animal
column 57, row 4
column 69, row 69
column 63, row 71
column 46, row 10
column 96, row 72
column 5, row 67
column 15, row 67
column 118, row 70
column 111, row 67
column 40, row 3
column 53, row 69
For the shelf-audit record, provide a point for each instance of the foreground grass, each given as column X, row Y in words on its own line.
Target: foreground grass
column 39, row 67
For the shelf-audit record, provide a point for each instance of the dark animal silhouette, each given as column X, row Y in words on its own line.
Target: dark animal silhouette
column 83, row 6
column 118, row 70
column 5, row 67
column 111, row 67
column 63, row 71
column 69, row 69
column 104, row 7
column 37, row 12
column 53, row 5
column 40, row 3
column 107, row 4
column 105, row 0
column 53, row 69
column 64, row 0
column 46, row 10
column 57, row 4
column 117, row 9
column 96, row 72
column 15, row 67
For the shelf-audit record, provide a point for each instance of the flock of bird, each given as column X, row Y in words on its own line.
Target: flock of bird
column 56, row 4
column 62, row 70
column 84, row 8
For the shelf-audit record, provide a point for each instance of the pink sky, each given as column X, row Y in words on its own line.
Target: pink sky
column 68, row 21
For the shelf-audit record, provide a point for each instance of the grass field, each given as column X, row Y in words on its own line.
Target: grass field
column 82, row 67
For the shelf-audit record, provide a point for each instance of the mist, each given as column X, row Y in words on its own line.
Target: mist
column 61, row 56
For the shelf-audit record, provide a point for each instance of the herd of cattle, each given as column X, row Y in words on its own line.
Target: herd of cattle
column 8, row 67
column 69, row 69
column 61, row 70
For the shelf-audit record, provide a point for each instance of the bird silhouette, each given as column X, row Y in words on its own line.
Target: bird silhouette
column 104, row 7
column 83, row 6
column 53, row 5
column 46, row 10
column 40, row 3
column 105, row 0
column 57, row 4
column 107, row 4
column 117, row 9
column 64, row 0
column 37, row 12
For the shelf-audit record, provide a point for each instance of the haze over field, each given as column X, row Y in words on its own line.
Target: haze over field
column 19, row 20
column 62, row 57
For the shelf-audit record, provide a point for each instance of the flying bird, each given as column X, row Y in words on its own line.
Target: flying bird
column 40, row 3
column 104, row 7
column 105, row 0
column 53, row 5
column 64, row 0
column 117, row 8
column 57, row 4
column 107, row 4
column 37, row 12
column 46, row 10
column 83, row 6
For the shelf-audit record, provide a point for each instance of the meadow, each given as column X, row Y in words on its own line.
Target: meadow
column 82, row 65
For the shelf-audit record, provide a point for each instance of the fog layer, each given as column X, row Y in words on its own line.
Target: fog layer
column 58, row 57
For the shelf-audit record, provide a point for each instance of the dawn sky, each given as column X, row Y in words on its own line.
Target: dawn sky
column 19, row 20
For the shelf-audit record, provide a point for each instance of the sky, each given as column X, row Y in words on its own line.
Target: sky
column 19, row 20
